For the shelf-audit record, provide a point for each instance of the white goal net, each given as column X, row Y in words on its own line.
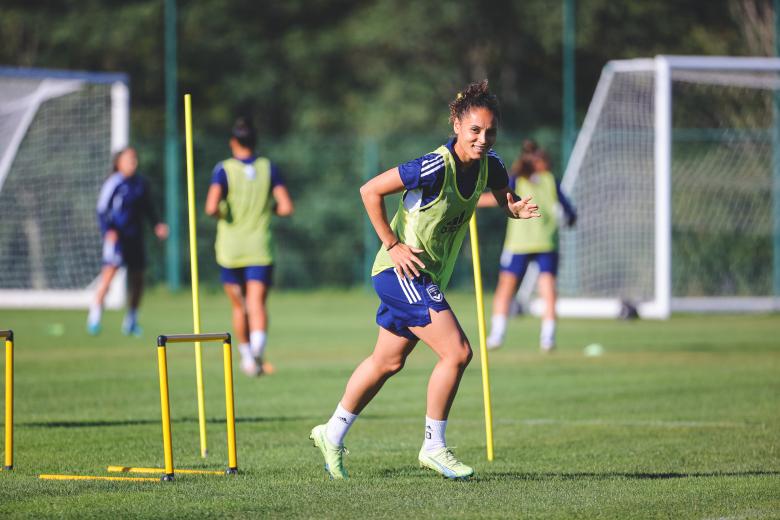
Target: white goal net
column 57, row 133
column 673, row 175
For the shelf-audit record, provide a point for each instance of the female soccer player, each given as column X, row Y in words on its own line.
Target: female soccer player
column 413, row 267
column 531, row 241
column 123, row 204
column 245, row 190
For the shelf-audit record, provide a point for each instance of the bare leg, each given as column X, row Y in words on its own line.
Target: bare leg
column 447, row 340
column 547, row 291
column 236, row 297
column 505, row 291
column 106, row 275
column 387, row 359
column 256, row 296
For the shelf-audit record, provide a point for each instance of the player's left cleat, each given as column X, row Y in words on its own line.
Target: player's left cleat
column 443, row 461
column 334, row 455
column 131, row 328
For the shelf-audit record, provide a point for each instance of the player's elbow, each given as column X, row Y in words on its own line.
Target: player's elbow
column 367, row 191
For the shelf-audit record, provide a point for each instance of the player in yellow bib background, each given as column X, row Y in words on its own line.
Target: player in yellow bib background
column 245, row 191
column 413, row 267
column 530, row 241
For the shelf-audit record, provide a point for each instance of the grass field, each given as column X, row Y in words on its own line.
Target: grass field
column 678, row 419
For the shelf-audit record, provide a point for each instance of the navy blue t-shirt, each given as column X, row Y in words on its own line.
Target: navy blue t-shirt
column 426, row 173
column 123, row 204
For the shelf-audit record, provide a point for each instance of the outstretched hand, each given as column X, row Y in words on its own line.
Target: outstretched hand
column 405, row 260
column 523, row 208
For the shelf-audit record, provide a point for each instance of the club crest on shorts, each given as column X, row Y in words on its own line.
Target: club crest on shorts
column 434, row 292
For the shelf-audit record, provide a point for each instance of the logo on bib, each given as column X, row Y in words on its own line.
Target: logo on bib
column 434, row 293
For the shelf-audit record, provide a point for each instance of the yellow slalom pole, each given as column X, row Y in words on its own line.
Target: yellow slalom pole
column 230, row 409
column 89, row 477
column 9, row 403
column 194, row 274
column 482, row 342
column 165, row 407
column 128, row 469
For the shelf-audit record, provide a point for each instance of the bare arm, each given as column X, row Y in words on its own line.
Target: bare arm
column 373, row 193
column 284, row 203
column 212, row 200
column 487, row 200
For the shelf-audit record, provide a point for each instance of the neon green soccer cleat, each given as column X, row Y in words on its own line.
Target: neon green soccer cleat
column 333, row 454
column 444, row 462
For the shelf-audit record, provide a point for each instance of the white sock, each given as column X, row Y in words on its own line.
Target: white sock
column 547, row 336
column 434, row 434
column 339, row 425
column 257, row 339
column 245, row 351
column 95, row 314
column 498, row 326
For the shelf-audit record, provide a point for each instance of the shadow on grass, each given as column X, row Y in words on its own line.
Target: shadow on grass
column 622, row 475
column 137, row 422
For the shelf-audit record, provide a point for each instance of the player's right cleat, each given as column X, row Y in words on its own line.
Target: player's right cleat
column 333, row 454
column 443, row 461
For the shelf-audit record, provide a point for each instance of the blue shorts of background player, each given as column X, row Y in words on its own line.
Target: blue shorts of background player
column 517, row 264
column 240, row 275
column 405, row 303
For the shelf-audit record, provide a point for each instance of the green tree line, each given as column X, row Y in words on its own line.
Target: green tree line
column 323, row 79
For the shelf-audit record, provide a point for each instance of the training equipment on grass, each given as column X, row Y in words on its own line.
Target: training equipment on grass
column 97, row 477
column 8, row 335
column 162, row 365
column 676, row 176
column 483, row 355
column 58, row 130
column 194, row 274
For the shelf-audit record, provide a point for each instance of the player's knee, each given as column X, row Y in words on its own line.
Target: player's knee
column 389, row 366
column 461, row 356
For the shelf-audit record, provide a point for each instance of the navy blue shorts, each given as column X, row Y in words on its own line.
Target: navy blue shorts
column 405, row 303
column 518, row 263
column 128, row 252
column 240, row 275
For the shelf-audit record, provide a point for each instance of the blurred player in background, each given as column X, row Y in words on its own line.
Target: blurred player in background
column 413, row 268
column 123, row 204
column 245, row 191
column 536, row 241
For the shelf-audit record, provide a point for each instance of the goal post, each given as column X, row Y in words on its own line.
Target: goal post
column 58, row 130
column 676, row 179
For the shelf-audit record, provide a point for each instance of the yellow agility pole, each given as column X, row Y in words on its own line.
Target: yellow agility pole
column 230, row 410
column 165, row 408
column 128, row 469
column 482, row 342
column 89, row 477
column 9, row 399
column 194, row 273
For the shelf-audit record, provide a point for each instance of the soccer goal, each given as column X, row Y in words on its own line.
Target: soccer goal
column 57, row 133
column 676, row 177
